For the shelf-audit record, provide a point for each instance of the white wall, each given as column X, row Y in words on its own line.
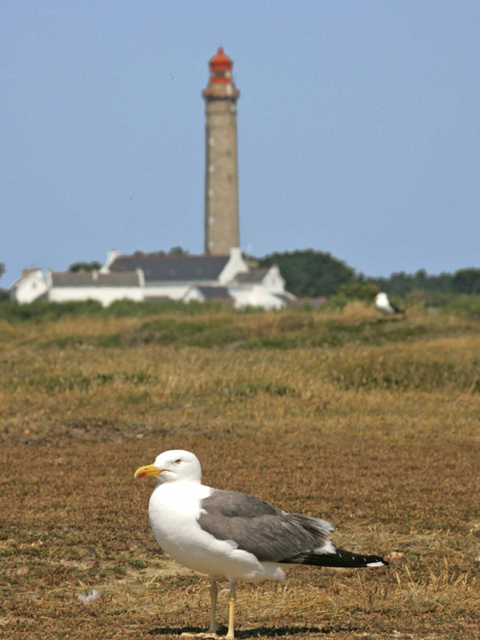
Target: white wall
column 30, row 287
column 105, row 295
column 255, row 296
column 235, row 265
column 273, row 281
column 112, row 256
column 193, row 294
column 172, row 292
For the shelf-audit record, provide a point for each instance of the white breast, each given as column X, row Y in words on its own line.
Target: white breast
column 174, row 509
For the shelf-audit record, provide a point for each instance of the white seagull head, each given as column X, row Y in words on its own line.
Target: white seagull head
column 173, row 466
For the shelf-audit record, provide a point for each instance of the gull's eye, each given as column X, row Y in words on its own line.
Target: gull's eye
column 177, row 461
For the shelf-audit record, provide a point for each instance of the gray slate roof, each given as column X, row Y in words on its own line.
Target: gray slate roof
column 214, row 293
column 69, row 279
column 173, row 268
column 253, row 277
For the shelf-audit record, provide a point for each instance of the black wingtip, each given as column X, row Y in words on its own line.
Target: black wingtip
column 341, row 559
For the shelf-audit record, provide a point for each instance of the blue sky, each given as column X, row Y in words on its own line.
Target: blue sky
column 358, row 123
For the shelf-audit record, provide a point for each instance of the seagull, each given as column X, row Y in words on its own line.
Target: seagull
column 387, row 307
column 231, row 535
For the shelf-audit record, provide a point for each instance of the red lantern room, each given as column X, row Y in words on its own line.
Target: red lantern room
column 220, row 67
column 220, row 82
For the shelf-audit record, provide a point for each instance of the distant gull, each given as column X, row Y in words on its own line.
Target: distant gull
column 387, row 307
column 230, row 535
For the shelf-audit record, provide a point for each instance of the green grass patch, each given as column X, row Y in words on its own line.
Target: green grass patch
column 298, row 329
column 214, row 332
column 396, row 373
column 42, row 311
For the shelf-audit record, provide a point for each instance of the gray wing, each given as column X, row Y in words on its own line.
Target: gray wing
column 260, row 528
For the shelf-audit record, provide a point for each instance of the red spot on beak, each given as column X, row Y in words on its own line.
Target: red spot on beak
column 142, row 475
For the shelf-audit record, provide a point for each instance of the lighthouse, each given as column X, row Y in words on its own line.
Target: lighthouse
column 221, row 158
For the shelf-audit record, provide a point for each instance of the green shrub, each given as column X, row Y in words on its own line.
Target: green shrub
column 360, row 290
column 462, row 303
column 339, row 301
column 14, row 312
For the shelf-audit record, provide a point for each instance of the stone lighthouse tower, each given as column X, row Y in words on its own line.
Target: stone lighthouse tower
column 221, row 158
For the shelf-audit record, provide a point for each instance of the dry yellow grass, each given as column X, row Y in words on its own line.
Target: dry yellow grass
column 375, row 429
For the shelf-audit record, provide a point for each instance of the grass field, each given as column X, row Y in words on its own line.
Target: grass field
column 370, row 423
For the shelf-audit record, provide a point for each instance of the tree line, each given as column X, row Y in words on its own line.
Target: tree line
column 310, row 274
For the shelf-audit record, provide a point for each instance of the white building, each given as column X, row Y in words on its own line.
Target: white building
column 171, row 276
column 154, row 278
column 201, row 293
column 31, row 286
column 103, row 287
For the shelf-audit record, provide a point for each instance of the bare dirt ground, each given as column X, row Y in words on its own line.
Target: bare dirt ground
column 377, row 432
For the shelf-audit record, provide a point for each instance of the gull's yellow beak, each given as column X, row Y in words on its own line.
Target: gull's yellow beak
column 149, row 470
